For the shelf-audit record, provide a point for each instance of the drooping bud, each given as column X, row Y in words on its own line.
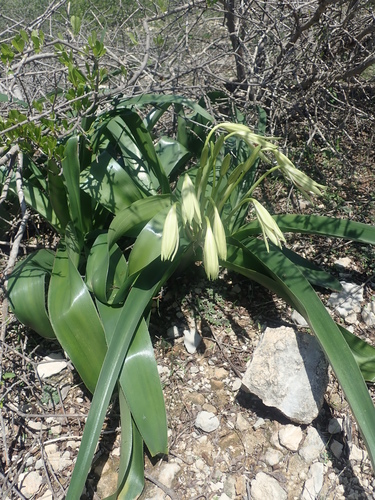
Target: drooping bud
column 302, row 181
column 210, row 257
column 219, row 234
column 170, row 237
column 269, row 227
column 190, row 205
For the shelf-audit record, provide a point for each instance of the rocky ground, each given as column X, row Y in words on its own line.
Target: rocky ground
column 224, row 442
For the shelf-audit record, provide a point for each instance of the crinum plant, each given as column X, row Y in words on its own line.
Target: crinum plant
column 99, row 293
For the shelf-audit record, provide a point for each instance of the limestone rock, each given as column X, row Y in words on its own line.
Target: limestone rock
column 290, row 437
column 348, row 300
column 51, row 365
column 313, row 446
column 207, row 421
column 192, row 339
column 265, row 486
column 314, row 483
column 30, row 483
column 368, row 314
column 289, row 371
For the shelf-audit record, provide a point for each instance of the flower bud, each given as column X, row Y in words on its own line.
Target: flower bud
column 170, row 237
column 210, row 257
column 190, row 205
column 302, row 181
column 219, row 234
column 268, row 225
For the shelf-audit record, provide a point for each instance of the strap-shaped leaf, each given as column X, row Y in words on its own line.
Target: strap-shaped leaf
column 131, row 313
column 308, row 304
column 140, row 382
column 315, row 224
column 75, row 319
column 106, row 270
column 71, row 171
column 107, row 182
column 27, row 291
column 131, row 220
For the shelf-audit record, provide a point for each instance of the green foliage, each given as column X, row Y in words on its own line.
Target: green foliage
column 171, row 200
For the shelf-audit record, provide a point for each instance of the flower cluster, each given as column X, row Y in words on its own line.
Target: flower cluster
column 200, row 206
column 214, row 239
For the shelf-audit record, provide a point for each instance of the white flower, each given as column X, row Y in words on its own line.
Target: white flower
column 210, row 257
column 219, row 235
column 170, row 237
column 302, row 181
column 268, row 225
column 190, row 205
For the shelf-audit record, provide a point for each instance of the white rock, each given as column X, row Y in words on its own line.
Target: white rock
column 313, row 446
column 336, row 448
column 173, row 332
column 289, row 371
column 57, row 460
column 207, row 421
column 266, row 487
column 51, row 365
column 273, row 457
column 368, row 314
column 36, row 426
column 259, row 423
column 242, row 424
column 192, row 339
column 314, row 483
column 357, row 454
column 168, row 473
column 335, row 425
column 290, row 436
column 47, row 495
column 348, row 301
column 29, row 483
column 236, row 384
column 299, row 319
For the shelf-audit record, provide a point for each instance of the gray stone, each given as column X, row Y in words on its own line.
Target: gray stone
column 273, row 457
column 173, row 332
column 290, row 372
column 51, row 365
column 290, row 436
column 207, row 421
column 30, row 483
column 335, row 425
column 348, row 300
column 299, row 319
column 314, row 483
column 192, row 339
column 265, row 486
column 368, row 314
column 313, row 446
column 336, row 448
column 168, row 473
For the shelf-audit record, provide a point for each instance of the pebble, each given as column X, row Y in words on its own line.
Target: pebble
column 168, row 473
column 357, row 454
column 30, row 483
column 192, row 339
column 259, row 423
column 265, row 486
column 242, row 424
column 299, row 319
column 348, row 300
column 313, row 446
column 173, row 332
column 335, row 425
column 314, row 483
column 290, row 436
column 52, row 364
column 368, row 314
column 273, row 457
column 207, row 421
column 336, row 448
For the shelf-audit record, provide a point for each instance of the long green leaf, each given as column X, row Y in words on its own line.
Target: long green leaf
column 140, row 382
column 131, row 220
column 328, row 334
column 71, row 171
column 27, row 291
column 109, row 184
column 75, row 319
column 128, row 321
column 315, row 224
